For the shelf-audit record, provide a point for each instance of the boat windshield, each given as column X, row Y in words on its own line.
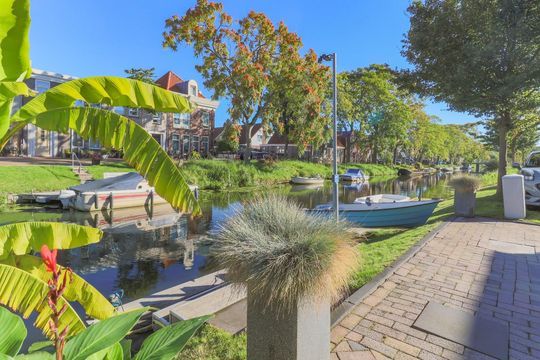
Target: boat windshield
column 533, row 160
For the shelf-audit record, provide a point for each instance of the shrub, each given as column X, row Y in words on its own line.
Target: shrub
column 465, row 183
column 282, row 253
column 491, row 165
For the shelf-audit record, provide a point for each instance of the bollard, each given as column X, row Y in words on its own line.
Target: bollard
column 513, row 196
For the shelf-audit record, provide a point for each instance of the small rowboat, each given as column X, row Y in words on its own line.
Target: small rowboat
column 404, row 213
column 307, row 180
column 381, row 198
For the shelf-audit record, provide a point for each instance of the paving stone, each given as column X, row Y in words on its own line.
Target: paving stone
column 342, row 346
column 477, row 266
column 356, row 355
column 401, row 346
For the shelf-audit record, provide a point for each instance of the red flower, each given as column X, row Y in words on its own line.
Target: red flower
column 49, row 258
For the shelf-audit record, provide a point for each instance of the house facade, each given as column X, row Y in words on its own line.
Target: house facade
column 259, row 137
column 32, row 141
column 178, row 134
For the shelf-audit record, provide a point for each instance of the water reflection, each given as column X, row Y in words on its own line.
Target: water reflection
column 144, row 251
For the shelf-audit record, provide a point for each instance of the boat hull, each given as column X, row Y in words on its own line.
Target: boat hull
column 94, row 201
column 410, row 214
column 307, row 181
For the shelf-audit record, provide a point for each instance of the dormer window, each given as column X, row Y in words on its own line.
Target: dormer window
column 193, row 90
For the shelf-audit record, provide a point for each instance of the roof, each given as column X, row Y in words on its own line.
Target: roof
column 169, row 80
column 216, row 132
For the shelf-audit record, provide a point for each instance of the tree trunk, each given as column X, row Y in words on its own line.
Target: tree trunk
column 503, row 130
column 247, row 150
column 374, row 155
column 348, row 146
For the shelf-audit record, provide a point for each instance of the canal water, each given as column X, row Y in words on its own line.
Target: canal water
column 143, row 252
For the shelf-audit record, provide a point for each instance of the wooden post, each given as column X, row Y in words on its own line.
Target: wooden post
column 111, row 201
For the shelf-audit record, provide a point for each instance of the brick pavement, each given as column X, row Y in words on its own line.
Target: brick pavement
column 481, row 266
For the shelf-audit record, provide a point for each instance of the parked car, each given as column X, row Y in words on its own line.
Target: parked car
column 531, row 176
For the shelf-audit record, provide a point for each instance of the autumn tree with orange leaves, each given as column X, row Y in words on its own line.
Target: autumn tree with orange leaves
column 248, row 61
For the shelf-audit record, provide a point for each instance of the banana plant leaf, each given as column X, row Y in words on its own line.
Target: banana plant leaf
column 141, row 150
column 21, row 238
column 109, row 90
column 13, row 332
column 94, row 303
column 25, row 293
column 14, row 42
column 14, row 55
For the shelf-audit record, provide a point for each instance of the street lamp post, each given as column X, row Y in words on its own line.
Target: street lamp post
column 335, row 178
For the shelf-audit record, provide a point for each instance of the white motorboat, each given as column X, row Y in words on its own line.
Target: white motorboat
column 307, row 180
column 115, row 191
column 381, row 198
column 353, row 175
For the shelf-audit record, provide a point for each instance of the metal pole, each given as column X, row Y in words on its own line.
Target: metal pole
column 335, row 193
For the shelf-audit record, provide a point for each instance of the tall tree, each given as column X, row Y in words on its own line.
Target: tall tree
column 479, row 56
column 295, row 96
column 238, row 57
column 142, row 74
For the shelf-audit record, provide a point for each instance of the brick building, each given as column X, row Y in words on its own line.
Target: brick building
column 179, row 134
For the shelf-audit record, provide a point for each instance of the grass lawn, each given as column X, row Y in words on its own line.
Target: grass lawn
column 211, row 343
column 24, row 179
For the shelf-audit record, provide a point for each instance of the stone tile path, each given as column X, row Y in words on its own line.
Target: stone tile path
column 485, row 267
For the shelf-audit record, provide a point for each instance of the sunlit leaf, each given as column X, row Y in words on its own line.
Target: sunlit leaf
column 13, row 332
column 21, row 238
column 25, row 293
column 101, row 335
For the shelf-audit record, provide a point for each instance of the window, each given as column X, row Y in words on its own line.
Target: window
column 133, row 112
column 204, row 145
column 94, row 144
column 195, row 143
column 182, row 121
column 205, row 116
column 42, row 85
column 185, row 144
column 259, row 137
column 156, row 118
column 175, row 144
column 42, row 135
column 119, row 110
column 193, row 90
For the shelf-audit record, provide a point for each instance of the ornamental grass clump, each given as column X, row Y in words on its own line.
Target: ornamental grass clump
column 284, row 254
column 465, row 183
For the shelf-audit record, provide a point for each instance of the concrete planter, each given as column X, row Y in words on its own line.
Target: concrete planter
column 302, row 333
column 464, row 203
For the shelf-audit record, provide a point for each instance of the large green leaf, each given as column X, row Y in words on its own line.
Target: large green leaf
column 113, row 352
column 14, row 42
column 13, row 332
column 101, row 335
column 141, row 150
column 40, row 355
column 25, row 293
column 94, row 303
column 110, row 90
column 167, row 342
column 21, row 238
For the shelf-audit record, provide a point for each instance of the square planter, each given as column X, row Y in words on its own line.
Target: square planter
column 464, row 203
column 301, row 334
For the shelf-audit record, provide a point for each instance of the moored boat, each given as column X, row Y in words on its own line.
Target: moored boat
column 354, row 175
column 381, row 198
column 113, row 192
column 307, row 180
column 404, row 213
column 404, row 172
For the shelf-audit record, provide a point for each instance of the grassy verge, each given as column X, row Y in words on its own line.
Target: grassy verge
column 25, row 179
column 220, row 175
column 211, row 343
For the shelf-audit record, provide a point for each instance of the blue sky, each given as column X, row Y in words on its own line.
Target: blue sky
column 104, row 37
